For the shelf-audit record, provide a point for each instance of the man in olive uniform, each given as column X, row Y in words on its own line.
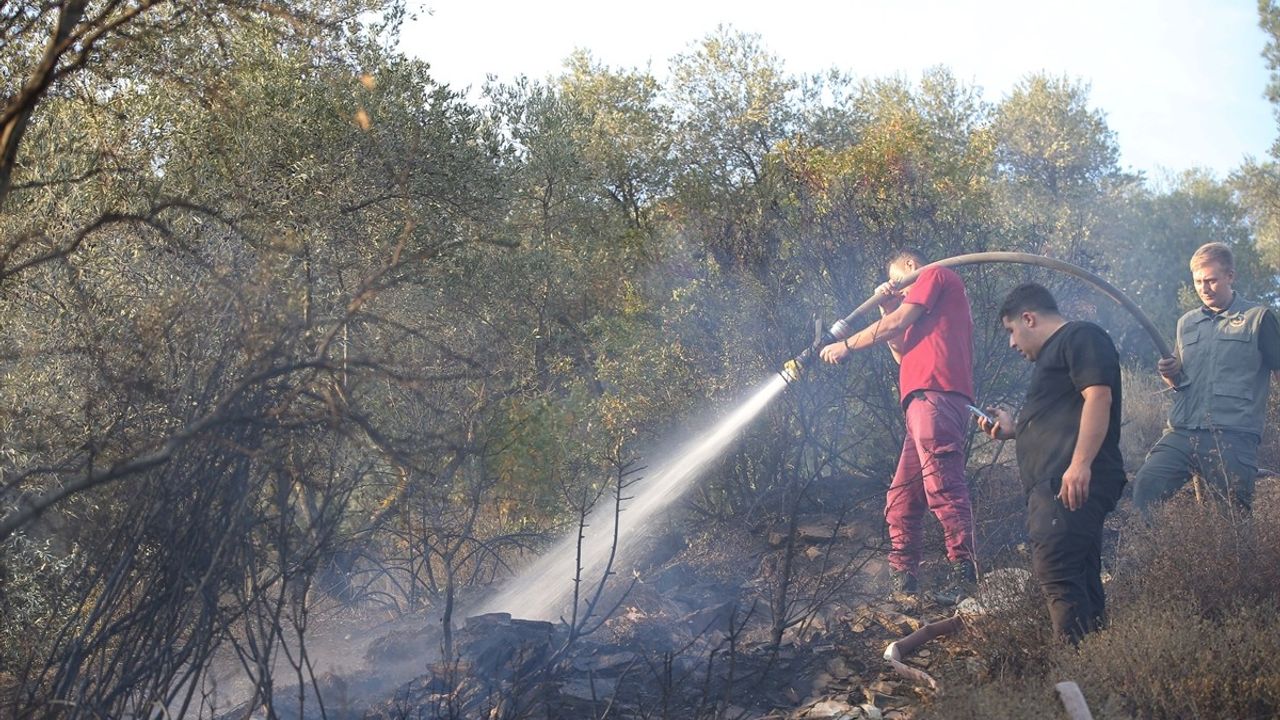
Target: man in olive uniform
column 1220, row 372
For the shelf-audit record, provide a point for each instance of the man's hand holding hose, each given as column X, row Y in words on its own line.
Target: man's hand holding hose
column 1170, row 368
column 890, row 296
column 896, row 317
column 836, row 352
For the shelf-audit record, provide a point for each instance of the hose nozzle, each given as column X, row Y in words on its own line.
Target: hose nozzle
column 793, row 369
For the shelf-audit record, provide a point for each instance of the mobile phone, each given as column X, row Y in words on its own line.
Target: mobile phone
column 981, row 415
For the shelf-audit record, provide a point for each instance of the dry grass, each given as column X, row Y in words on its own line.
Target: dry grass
column 1145, row 413
column 1195, row 629
column 999, row 512
column 1017, row 641
column 1209, row 557
column 1163, row 659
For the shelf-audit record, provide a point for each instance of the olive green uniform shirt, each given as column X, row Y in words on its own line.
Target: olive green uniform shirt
column 1227, row 359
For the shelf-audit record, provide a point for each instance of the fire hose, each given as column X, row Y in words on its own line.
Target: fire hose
column 843, row 327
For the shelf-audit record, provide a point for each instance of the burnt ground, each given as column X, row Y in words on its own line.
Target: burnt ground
column 705, row 633
column 698, row 636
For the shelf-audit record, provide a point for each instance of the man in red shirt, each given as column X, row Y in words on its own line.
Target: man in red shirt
column 929, row 330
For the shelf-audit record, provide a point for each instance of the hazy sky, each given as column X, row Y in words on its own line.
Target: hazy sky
column 1180, row 81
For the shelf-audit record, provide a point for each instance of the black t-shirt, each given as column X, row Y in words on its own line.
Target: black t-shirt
column 1077, row 356
column 1269, row 341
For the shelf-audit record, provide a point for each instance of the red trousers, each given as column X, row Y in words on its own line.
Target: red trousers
column 930, row 475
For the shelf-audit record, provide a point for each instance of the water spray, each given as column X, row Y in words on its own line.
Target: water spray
column 841, row 329
column 543, row 589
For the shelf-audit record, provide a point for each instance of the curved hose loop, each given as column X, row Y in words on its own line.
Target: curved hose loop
column 1021, row 258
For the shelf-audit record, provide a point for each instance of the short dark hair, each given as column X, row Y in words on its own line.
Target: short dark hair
column 906, row 254
column 1028, row 297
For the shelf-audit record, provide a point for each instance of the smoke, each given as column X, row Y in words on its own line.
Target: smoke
column 544, row 590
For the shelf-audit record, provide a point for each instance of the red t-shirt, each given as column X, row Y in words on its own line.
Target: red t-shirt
column 937, row 349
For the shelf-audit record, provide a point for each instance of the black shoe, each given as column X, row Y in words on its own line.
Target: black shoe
column 904, row 582
column 961, row 582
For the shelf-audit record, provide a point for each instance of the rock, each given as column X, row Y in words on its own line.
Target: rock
column 584, row 689
column 533, row 627
column 823, row 682
column 498, row 650
column 884, row 687
column 488, row 620
column 716, row 618
column 606, row 664
column 817, row 531
column 399, row 646
column 880, row 692
column 801, row 635
column 833, row 709
column 876, row 569
column 894, row 621
column 838, row 667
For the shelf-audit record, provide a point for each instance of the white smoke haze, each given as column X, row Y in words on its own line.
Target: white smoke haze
column 544, row 590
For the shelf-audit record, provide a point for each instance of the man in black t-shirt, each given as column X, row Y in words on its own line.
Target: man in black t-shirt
column 1068, row 436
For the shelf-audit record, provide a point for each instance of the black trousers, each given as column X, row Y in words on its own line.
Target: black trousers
column 1066, row 557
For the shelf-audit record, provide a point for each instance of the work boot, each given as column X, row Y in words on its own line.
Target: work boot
column 904, row 583
column 961, row 582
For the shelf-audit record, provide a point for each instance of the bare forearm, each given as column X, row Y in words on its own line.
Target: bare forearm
column 870, row 335
column 887, row 329
column 1095, row 417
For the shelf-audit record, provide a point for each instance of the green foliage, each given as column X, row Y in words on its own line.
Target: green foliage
column 36, row 580
column 1050, row 140
column 1269, row 20
column 269, row 257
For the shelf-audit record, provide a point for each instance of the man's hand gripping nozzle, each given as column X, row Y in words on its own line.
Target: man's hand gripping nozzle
column 793, row 369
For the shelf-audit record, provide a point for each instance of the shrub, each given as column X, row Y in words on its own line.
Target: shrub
column 1016, row 640
column 35, row 580
column 1206, row 556
column 1145, row 411
column 1194, row 610
column 1162, row 659
column 999, row 511
column 1002, row 700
